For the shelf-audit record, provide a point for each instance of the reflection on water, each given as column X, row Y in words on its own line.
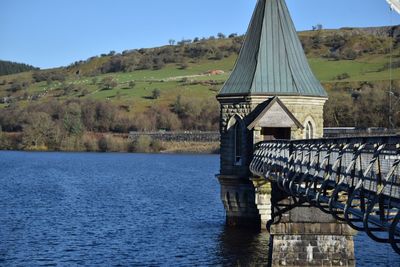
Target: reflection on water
column 125, row 209
column 242, row 247
column 370, row 253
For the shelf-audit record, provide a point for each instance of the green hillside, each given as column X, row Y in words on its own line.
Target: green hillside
column 367, row 64
column 174, row 87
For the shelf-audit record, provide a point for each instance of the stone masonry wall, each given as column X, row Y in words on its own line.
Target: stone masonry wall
column 305, row 109
column 178, row 136
column 306, row 236
column 237, row 192
column 313, row 250
column 238, row 199
column 229, row 111
column 234, row 178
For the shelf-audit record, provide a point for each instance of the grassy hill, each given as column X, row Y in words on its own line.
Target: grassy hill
column 126, row 91
column 369, row 64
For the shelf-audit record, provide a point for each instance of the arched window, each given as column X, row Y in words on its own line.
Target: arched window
column 237, row 133
column 309, row 130
column 238, row 143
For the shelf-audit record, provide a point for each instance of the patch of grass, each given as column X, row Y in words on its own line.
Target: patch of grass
column 359, row 70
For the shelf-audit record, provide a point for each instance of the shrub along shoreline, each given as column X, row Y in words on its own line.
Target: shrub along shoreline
column 109, row 142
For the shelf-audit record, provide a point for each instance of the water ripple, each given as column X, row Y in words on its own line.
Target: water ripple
column 74, row 209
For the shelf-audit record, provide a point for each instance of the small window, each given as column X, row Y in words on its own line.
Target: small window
column 238, row 144
column 309, row 131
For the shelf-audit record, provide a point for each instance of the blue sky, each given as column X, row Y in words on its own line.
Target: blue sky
column 51, row 33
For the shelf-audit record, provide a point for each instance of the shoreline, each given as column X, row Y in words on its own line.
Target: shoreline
column 168, row 148
column 110, row 142
column 115, row 152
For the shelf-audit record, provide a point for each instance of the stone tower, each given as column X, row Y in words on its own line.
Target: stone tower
column 271, row 94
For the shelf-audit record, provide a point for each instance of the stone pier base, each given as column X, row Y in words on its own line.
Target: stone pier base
column 238, row 197
column 312, row 244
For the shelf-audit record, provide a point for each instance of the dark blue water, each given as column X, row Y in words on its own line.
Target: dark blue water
column 126, row 209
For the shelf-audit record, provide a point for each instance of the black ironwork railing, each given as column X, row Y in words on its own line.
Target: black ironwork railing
column 357, row 180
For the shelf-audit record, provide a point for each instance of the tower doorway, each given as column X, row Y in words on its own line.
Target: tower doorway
column 269, row 133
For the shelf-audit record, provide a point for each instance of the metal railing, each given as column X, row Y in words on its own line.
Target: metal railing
column 357, row 180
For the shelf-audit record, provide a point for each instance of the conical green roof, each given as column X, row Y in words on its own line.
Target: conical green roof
column 272, row 59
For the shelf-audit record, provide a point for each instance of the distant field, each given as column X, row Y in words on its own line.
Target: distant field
column 192, row 81
column 364, row 69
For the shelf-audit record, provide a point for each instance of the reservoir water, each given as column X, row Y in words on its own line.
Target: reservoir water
column 68, row 209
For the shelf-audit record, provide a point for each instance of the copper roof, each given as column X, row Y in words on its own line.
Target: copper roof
column 272, row 59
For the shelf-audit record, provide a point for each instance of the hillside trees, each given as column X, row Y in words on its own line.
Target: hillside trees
column 97, row 116
column 218, row 54
column 361, row 105
column 115, row 64
column 131, row 84
column 15, row 86
column 71, row 88
column 3, row 140
column 108, row 83
column 164, row 119
column 158, row 63
column 317, row 27
column 145, row 63
column 8, row 67
column 40, row 131
column 157, row 58
column 12, row 119
column 338, row 110
column 156, row 93
column 65, row 125
column 197, row 115
column 337, row 45
column 72, row 119
column 344, row 44
column 54, row 75
column 197, row 51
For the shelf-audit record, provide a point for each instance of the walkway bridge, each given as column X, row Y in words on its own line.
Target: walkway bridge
column 357, row 180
